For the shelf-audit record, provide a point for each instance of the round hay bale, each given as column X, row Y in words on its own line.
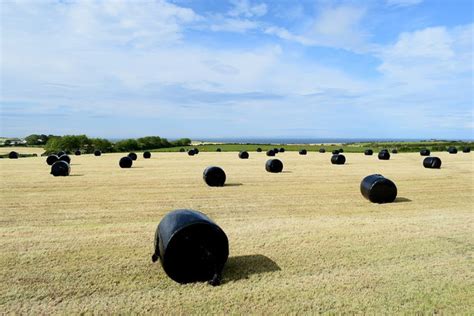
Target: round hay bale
column 282, row 150
column 368, row 152
column 218, row 150
column 322, row 150
column 384, row 155
column 274, row 165
column 341, row 150
column 191, row 152
column 13, row 155
column 59, row 154
column 196, row 151
column 259, row 150
column 432, row 162
column 378, row 189
column 35, row 155
column 303, row 152
column 133, row 156
column 97, row 153
column 243, row 155
column 466, row 150
column 394, row 151
column 214, row 176
column 276, row 150
column 335, row 152
column 51, row 159
column 65, row 158
column 182, row 150
column 60, row 168
column 425, row 152
column 270, row 153
column 338, row 159
column 77, row 152
column 126, row 162
column 191, row 247
column 147, row 155
column 452, row 150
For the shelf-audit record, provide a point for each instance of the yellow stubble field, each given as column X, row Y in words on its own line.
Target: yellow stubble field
column 303, row 241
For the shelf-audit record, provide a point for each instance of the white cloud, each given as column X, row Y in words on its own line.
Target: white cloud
column 247, row 9
column 233, row 25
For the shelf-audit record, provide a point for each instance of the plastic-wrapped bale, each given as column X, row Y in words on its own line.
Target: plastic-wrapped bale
column 13, row 155
column 394, row 151
column 338, row 159
column 147, row 155
column 60, row 169
column 196, row 151
column 282, row 150
column 77, row 153
column 335, row 152
column 432, row 162
column 51, row 159
column 425, row 152
column 191, row 152
column 182, row 150
column 133, row 156
column 378, row 189
column 59, row 154
column 466, row 150
column 259, row 150
column 214, row 176
column 97, row 153
column 384, row 155
column 65, row 158
column 303, row 152
column 218, row 150
column 276, row 150
column 322, row 150
column 274, row 166
column 452, row 150
column 125, row 162
column 270, row 153
column 341, row 150
column 368, row 152
column 191, row 247
column 243, row 155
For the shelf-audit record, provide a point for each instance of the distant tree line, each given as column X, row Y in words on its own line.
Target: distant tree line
column 89, row 145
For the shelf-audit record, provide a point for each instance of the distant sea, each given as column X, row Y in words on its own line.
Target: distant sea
column 302, row 140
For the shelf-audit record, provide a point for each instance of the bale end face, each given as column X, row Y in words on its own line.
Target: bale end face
column 51, row 159
column 77, row 153
column 322, row 150
column 133, row 156
column 452, row 150
column 368, row 152
column 432, row 163
column 97, row 153
column 147, row 155
column 274, row 166
column 378, row 189
column 338, row 159
column 218, row 150
column 191, row 152
column 282, row 150
column 384, row 155
column 425, row 152
column 466, row 150
column 243, row 155
column 259, row 150
column 303, row 152
column 270, row 153
column 191, row 247
column 182, row 150
column 60, row 169
column 125, row 162
column 214, row 176
column 13, row 155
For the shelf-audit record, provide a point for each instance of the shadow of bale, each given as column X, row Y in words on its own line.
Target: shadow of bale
column 241, row 267
column 401, row 200
column 232, row 184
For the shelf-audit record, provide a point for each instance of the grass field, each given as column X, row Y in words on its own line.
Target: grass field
column 303, row 241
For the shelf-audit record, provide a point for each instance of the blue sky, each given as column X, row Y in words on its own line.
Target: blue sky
column 239, row 68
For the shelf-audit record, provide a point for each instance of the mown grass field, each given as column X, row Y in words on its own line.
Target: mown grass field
column 303, row 241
